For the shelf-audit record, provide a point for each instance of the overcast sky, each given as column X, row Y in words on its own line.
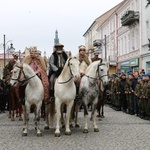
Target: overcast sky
column 34, row 22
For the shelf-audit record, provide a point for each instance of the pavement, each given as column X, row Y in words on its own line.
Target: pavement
column 118, row 131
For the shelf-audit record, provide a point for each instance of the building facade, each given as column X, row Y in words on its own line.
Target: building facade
column 125, row 34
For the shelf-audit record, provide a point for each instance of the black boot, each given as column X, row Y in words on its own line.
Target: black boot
column 52, row 98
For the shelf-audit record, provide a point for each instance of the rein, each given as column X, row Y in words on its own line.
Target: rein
column 99, row 76
column 25, row 79
column 63, row 82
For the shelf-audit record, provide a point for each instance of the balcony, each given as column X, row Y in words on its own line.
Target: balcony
column 129, row 18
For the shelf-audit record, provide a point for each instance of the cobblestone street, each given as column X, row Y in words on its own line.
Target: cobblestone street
column 118, row 131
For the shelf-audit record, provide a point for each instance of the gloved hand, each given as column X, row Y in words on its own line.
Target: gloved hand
column 58, row 72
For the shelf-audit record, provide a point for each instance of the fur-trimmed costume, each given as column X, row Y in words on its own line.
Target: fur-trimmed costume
column 84, row 62
column 39, row 67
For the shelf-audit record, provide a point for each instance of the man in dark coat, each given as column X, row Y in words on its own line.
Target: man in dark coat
column 56, row 64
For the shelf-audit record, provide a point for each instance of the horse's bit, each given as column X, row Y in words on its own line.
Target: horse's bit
column 99, row 76
column 22, row 81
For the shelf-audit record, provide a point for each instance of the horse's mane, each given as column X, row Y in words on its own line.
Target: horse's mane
column 91, row 66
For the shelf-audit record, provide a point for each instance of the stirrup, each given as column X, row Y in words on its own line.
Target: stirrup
column 52, row 99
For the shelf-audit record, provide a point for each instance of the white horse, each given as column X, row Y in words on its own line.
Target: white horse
column 89, row 91
column 34, row 93
column 65, row 92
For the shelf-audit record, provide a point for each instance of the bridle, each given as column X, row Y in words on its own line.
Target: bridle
column 97, row 71
column 63, row 82
column 23, row 80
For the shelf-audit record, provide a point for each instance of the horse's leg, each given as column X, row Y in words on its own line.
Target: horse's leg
column 102, row 111
column 12, row 109
column 94, row 118
column 85, row 130
column 52, row 113
column 20, row 112
column 47, row 110
column 26, row 119
column 76, row 114
column 37, row 120
column 62, row 117
column 72, row 116
column 69, row 107
column 58, row 115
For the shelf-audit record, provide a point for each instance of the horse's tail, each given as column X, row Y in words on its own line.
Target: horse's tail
column 52, row 113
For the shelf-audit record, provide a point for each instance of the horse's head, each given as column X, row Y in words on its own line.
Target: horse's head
column 16, row 74
column 102, row 71
column 73, row 64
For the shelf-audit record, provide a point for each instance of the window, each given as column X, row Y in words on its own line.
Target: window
column 147, row 29
column 148, row 67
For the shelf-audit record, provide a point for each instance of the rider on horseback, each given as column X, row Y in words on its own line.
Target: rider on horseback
column 56, row 63
column 10, row 65
column 37, row 63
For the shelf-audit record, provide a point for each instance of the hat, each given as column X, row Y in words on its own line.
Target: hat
column 82, row 47
column 139, row 77
column 147, row 74
column 15, row 54
column 59, row 45
column 114, row 74
column 123, row 74
column 33, row 49
column 130, row 72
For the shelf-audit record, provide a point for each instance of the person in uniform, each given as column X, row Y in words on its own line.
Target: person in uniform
column 123, row 99
column 148, row 96
column 137, row 93
column 37, row 63
column 56, row 63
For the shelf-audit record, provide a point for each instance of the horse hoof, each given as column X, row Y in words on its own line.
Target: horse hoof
column 12, row 119
column 71, row 125
column 102, row 116
column 36, row 129
column 96, row 130
column 20, row 119
column 67, row 133
column 99, row 119
column 85, row 131
column 46, row 128
column 57, row 134
column 24, row 134
column 98, row 116
column 39, row 134
column 77, row 126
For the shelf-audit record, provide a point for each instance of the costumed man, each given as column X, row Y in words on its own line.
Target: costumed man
column 9, row 67
column 56, row 64
column 37, row 63
column 96, row 56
